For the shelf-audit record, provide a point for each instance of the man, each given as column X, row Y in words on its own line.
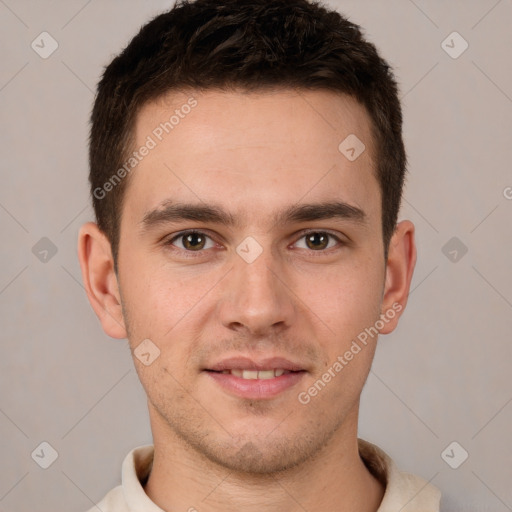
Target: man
column 246, row 168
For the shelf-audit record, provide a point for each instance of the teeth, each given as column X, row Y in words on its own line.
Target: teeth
column 255, row 374
column 266, row 374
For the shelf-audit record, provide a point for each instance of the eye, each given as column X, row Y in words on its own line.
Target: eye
column 193, row 241
column 318, row 241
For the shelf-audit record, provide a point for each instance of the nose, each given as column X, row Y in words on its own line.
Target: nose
column 257, row 300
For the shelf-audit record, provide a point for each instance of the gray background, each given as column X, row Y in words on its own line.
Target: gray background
column 443, row 376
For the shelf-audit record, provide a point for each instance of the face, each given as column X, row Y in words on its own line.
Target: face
column 251, row 256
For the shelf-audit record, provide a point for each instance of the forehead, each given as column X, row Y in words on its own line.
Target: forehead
column 253, row 150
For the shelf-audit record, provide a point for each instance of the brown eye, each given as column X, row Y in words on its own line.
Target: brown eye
column 317, row 241
column 194, row 241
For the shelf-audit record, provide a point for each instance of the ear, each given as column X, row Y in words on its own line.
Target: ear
column 399, row 270
column 100, row 280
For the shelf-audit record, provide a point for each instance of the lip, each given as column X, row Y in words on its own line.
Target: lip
column 245, row 363
column 255, row 389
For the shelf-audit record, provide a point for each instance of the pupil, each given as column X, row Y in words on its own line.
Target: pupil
column 194, row 241
column 317, row 240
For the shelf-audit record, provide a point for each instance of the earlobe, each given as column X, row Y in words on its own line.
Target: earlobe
column 399, row 271
column 100, row 280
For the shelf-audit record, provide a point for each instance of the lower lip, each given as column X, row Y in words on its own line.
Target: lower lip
column 256, row 389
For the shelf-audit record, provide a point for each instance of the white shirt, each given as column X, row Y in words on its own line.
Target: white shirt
column 403, row 492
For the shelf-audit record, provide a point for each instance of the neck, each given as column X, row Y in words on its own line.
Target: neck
column 336, row 479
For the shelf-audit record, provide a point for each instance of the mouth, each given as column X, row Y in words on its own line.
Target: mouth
column 255, row 380
column 255, row 374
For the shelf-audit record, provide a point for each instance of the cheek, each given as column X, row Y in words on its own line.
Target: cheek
column 350, row 307
column 346, row 298
column 160, row 301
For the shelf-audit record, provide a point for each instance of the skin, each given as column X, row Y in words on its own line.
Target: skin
column 253, row 155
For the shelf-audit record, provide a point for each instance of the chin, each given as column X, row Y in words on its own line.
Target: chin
column 251, row 459
column 255, row 454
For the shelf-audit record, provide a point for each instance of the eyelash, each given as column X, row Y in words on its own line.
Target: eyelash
column 194, row 254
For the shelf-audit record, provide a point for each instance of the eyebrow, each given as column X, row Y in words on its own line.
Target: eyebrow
column 170, row 211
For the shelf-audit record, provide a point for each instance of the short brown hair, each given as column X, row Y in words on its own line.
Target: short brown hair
column 247, row 44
